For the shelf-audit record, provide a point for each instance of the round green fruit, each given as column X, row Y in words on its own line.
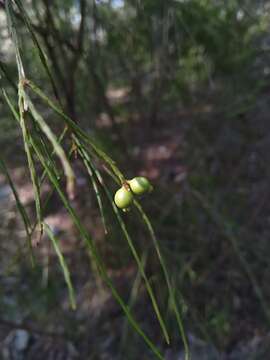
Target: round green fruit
column 140, row 185
column 123, row 198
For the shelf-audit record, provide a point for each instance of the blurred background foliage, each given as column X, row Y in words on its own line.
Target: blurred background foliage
column 177, row 90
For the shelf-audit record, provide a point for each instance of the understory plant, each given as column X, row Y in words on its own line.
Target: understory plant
column 54, row 154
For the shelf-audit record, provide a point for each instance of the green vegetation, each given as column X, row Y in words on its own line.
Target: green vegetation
column 169, row 90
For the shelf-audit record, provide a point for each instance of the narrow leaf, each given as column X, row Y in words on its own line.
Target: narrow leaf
column 63, row 264
column 21, row 209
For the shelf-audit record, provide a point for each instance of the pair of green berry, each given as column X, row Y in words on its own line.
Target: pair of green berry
column 123, row 197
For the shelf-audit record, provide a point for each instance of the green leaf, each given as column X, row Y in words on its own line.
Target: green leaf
column 20, row 207
column 58, row 149
column 133, row 251
column 92, row 249
column 63, row 264
column 41, row 53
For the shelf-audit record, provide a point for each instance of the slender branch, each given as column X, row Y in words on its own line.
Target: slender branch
column 82, row 26
column 4, row 71
column 42, row 31
column 73, row 66
column 51, row 27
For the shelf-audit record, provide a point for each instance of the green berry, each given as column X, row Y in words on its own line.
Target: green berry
column 140, row 185
column 123, row 198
